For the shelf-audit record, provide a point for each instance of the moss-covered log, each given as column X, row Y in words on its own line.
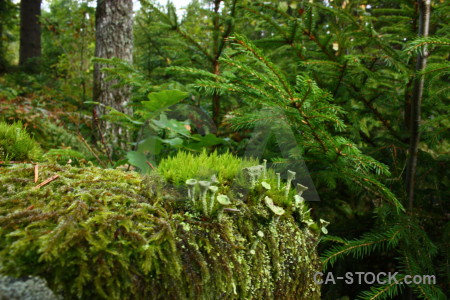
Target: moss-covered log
column 94, row 233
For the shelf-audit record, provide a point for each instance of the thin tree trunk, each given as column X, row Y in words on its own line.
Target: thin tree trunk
column 216, row 55
column 2, row 45
column 30, row 33
column 114, row 38
column 416, row 102
column 216, row 97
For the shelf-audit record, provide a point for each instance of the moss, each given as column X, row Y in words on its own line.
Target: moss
column 16, row 144
column 107, row 234
column 185, row 165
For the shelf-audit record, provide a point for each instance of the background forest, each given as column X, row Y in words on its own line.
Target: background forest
column 355, row 92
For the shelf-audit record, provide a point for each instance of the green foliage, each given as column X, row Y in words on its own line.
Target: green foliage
column 106, row 234
column 185, row 165
column 16, row 144
column 329, row 81
column 63, row 156
column 364, row 57
column 8, row 24
column 396, row 233
column 165, row 136
column 162, row 100
column 303, row 106
column 202, row 34
column 157, row 138
column 435, row 128
column 68, row 42
column 366, row 245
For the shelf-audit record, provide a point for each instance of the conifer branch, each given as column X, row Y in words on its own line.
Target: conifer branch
column 241, row 40
column 313, row 38
column 341, row 77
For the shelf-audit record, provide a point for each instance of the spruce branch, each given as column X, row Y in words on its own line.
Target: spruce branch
column 250, row 47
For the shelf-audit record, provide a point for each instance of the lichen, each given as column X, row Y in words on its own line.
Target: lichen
column 29, row 288
column 108, row 234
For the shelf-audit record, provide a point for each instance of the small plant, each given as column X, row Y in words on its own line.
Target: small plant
column 16, row 144
column 183, row 166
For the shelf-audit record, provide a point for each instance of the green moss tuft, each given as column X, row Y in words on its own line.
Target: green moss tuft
column 16, row 144
column 185, row 165
column 107, row 234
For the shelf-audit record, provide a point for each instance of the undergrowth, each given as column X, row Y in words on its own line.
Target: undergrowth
column 107, row 234
column 16, row 144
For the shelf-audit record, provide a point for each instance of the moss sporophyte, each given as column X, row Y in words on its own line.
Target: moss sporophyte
column 109, row 234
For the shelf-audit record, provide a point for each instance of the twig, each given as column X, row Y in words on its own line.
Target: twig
column 90, row 149
column 12, row 162
column 150, row 164
column 46, row 181
column 102, row 139
column 36, row 173
column 231, row 210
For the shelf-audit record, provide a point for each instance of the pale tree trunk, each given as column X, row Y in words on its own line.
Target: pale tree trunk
column 416, row 102
column 30, row 33
column 2, row 44
column 114, row 38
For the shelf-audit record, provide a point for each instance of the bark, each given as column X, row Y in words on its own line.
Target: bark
column 30, row 33
column 2, row 46
column 216, row 97
column 216, row 67
column 114, row 38
column 416, row 102
column 219, row 40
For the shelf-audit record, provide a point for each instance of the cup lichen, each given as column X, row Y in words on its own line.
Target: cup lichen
column 265, row 185
column 252, row 175
column 290, row 177
column 204, row 186
column 275, row 209
column 278, row 180
column 213, row 190
column 191, row 183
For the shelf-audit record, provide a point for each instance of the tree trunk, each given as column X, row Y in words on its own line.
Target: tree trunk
column 30, row 33
column 2, row 45
column 114, row 38
column 416, row 102
column 216, row 67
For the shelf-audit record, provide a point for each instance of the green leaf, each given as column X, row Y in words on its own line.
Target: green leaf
column 151, row 144
column 116, row 116
column 175, row 142
column 138, row 160
column 200, row 142
column 172, row 125
column 163, row 99
column 120, row 163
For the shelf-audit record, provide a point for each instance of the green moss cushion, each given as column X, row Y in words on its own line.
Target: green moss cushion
column 108, row 234
column 16, row 144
